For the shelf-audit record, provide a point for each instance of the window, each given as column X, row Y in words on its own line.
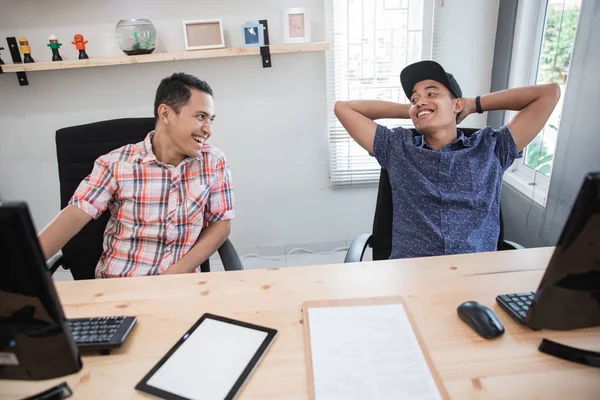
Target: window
column 372, row 40
column 554, row 23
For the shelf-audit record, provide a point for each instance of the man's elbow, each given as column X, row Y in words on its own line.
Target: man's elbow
column 553, row 92
column 227, row 229
column 338, row 107
column 224, row 228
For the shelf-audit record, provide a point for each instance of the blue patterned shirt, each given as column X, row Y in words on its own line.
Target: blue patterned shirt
column 445, row 201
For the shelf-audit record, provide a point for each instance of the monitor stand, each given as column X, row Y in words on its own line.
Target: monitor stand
column 585, row 357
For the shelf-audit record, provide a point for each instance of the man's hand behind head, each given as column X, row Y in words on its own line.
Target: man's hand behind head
column 468, row 108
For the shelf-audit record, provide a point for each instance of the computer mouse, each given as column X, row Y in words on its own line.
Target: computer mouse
column 481, row 319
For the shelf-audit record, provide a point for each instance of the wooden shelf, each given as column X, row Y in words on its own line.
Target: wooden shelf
column 160, row 57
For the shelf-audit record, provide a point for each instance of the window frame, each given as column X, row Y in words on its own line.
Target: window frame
column 528, row 39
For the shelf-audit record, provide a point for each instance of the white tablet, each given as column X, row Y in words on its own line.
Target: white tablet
column 211, row 361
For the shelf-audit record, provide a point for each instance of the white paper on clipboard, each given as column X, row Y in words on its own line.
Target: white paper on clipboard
column 368, row 352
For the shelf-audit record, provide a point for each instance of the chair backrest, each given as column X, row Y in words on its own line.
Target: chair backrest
column 381, row 240
column 77, row 148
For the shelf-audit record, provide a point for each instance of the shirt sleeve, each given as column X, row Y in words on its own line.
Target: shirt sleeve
column 388, row 144
column 506, row 148
column 96, row 190
column 382, row 145
column 220, row 205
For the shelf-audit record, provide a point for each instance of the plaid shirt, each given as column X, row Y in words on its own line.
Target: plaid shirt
column 157, row 210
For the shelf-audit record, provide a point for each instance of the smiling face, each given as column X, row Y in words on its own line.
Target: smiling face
column 192, row 125
column 433, row 107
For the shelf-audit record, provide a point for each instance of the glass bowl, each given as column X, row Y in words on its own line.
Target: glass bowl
column 136, row 36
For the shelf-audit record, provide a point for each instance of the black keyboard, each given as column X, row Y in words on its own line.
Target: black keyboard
column 516, row 304
column 100, row 333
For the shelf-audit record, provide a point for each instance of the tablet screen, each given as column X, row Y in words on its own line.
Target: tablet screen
column 210, row 362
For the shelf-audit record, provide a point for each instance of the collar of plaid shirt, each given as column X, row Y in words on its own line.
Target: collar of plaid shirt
column 150, row 156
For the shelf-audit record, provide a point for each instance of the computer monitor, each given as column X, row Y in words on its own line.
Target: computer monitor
column 568, row 296
column 35, row 342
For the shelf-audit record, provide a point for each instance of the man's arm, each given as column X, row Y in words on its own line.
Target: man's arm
column 357, row 118
column 208, row 242
column 58, row 232
column 533, row 103
column 219, row 210
column 92, row 195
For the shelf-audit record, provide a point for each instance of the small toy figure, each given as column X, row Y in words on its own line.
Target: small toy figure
column 54, row 45
column 80, row 45
column 26, row 50
column 1, row 62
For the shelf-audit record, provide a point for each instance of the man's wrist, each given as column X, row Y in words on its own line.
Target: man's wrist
column 177, row 268
column 402, row 111
column 478, row 108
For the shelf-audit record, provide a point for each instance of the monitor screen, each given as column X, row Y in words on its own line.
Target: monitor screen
column 568, row 296
column 34, row 341
column 577, row 251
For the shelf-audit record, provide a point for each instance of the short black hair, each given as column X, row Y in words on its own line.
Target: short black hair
column 176, row 90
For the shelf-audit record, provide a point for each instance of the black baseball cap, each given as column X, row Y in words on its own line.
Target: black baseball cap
column 422, row 70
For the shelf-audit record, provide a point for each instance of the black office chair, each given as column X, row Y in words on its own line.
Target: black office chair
column 381, row 238
column 77, row 148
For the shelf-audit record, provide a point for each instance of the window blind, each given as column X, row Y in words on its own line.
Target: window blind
column 371, row 42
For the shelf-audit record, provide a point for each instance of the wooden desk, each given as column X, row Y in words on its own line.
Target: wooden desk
column 472, row 368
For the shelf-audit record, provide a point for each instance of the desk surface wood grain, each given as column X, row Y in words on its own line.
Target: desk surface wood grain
column 508, row 367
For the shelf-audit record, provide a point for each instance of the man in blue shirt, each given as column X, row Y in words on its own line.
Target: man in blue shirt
column 446, row 186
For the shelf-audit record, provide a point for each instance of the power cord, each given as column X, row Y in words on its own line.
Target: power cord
column 280, row 258
column 316, row 252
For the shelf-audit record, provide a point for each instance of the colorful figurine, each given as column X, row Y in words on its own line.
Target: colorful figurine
column 1, row 62
column 54, row 45
column 26, row 50
column 80, row 45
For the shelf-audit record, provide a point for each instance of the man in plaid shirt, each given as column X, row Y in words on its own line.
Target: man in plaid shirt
column 170, row 196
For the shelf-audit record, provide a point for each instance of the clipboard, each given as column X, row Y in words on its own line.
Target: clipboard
column 360, row 302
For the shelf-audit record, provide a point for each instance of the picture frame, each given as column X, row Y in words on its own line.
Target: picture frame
column 253, row 34
column 296, row 26
column 203, row 34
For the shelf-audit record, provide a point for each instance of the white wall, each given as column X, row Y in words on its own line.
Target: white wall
column 528, row 223
column 271, row 123
column 463, row 43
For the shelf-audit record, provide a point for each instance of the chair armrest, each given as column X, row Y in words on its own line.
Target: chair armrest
column 229, row 257
column 54, row 262
column 512, row 245
column 357, row 248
